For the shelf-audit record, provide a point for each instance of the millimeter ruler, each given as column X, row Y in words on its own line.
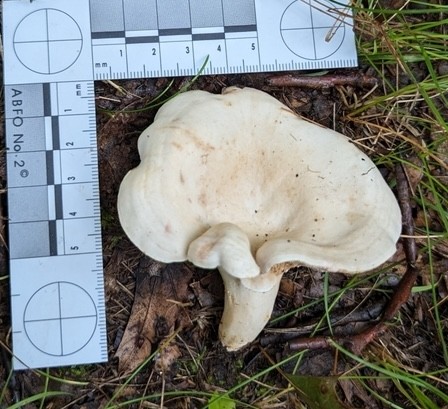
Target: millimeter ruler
column 53, row 52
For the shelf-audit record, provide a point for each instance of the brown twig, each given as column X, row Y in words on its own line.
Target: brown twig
column 338, row 319
column 359, row 341
column 358, row 80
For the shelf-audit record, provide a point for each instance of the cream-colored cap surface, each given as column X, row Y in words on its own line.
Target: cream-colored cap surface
column 300, row 192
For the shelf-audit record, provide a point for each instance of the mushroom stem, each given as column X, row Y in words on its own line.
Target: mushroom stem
column 249, row 296
column 248, row 305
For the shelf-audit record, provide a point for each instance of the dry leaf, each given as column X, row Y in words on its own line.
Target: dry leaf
column 165, row 359
column 156, row 312
column 414, row 172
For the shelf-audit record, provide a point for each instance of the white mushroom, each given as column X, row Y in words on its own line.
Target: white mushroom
column 240, row 183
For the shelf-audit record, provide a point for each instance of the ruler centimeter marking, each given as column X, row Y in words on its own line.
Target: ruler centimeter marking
column 54, row 225
column 149, row 39
column 53, row 52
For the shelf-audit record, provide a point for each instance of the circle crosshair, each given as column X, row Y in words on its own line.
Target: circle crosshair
column 312, row 30
column 47, row 41
column 60, row 318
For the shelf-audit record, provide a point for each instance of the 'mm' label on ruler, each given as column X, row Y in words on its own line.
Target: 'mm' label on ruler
column 53, row 51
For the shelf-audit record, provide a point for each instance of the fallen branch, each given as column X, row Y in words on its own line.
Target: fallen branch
column 358, row 80
column 343, row 319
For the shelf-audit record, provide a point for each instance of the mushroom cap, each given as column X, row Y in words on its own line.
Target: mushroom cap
column 300, row 192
